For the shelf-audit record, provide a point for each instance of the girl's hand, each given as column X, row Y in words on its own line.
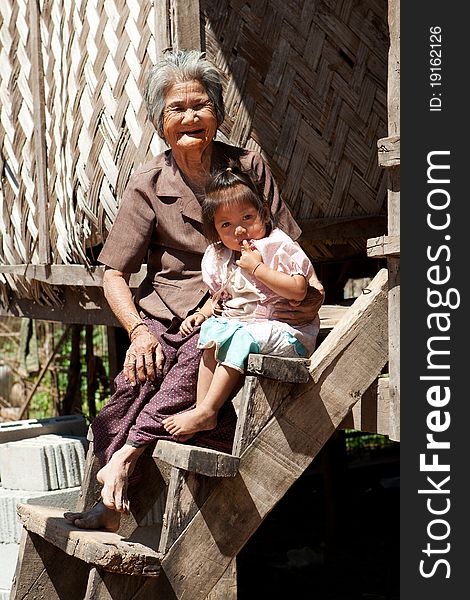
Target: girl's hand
column 192, row 321
column 249, row 257
column 143, row 357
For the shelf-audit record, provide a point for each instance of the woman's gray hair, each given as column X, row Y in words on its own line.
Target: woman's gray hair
column 180, row 66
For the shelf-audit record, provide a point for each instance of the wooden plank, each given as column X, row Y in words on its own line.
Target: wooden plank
column 226, row 587
column 393, row 83
column 393, row 265
column 90, row 489
column 259, row 400
column 342, row 228
column 383, row 246
column 288, row 370
column 103, row 585
column 39, row 132
column 107, row 550
column 162, row 26
column 388, row 151
column 40, row 572
column 185, row 24
column 342, row 368
column 187, row 492
column 81, row 306
column 74, row 275
column 204, row 461
column 372, row 412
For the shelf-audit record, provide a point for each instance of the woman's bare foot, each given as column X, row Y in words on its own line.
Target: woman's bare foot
column 114, row 477
column 98, row 517
column 190, row 422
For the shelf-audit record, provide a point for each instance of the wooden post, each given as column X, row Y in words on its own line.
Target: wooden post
column 177, row 25
column 393, row 262
column 90, row 371
column 39, row 117
column 44, row 574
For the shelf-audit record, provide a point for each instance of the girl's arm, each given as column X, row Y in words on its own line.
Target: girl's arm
column 291, row 287
column 196, row 318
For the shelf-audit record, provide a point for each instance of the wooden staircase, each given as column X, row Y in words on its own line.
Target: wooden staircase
column 211, row 502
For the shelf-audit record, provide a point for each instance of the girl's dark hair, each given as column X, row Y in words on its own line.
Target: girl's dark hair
column 231, row 186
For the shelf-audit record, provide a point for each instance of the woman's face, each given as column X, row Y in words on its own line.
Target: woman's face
column 237, row 222
column 189, row 120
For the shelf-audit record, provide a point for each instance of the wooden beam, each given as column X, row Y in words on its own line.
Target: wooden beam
column 80, row 306
column 73, row 275
column 342, row 228
column 204, row 461
column 185, row 24
column 383, row 246
column 39, row 132
column 342, row 369
column 371, row 413
column 162, row 26
column 287, row 370
column 40, row 572
column 388, row 149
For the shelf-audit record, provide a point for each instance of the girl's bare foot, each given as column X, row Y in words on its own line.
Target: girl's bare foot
column 190, row 422
column 98, row 517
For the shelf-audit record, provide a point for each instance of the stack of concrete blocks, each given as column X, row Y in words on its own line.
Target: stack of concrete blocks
column 41, row 462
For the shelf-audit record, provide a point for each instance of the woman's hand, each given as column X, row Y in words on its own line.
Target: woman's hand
column 249, row 258
column 191, row 322
column 143, row 357
column 304, row 312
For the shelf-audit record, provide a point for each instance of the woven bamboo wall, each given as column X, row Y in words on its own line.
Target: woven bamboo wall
column 95, row 56
column 305, row 84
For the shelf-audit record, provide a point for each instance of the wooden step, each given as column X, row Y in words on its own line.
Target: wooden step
column 196, row 459
column 108, row 551
column 287, row 370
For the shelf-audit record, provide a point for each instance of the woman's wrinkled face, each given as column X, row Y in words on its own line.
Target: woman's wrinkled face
column 189, row 119
column 236, row 222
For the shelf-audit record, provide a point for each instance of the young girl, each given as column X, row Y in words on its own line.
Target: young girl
column 250, row 267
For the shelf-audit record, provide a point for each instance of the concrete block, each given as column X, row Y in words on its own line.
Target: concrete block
column 74, row 425
column 10, row 526
column 47, row 462
column 8, row 558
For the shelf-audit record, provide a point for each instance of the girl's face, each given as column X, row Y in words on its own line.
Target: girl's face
column 236, row 222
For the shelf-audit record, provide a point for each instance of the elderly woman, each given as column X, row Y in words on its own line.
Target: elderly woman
column 159, row 222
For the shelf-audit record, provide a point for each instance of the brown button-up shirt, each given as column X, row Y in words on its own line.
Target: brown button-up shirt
column 159, row 222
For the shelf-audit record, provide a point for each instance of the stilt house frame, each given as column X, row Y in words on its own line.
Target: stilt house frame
column 312, row 85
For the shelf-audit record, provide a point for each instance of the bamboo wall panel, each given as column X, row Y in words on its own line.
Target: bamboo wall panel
column 95, row 54
column 306, row 84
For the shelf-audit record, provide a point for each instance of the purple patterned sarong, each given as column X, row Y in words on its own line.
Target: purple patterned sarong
column 134, row 415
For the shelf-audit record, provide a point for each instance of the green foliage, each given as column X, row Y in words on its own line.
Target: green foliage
column 359, row 443
column 63, row 388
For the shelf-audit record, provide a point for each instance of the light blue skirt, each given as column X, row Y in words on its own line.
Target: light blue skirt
column 235, row 340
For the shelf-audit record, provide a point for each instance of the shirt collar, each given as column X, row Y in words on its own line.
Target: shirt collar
column 171, row 183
